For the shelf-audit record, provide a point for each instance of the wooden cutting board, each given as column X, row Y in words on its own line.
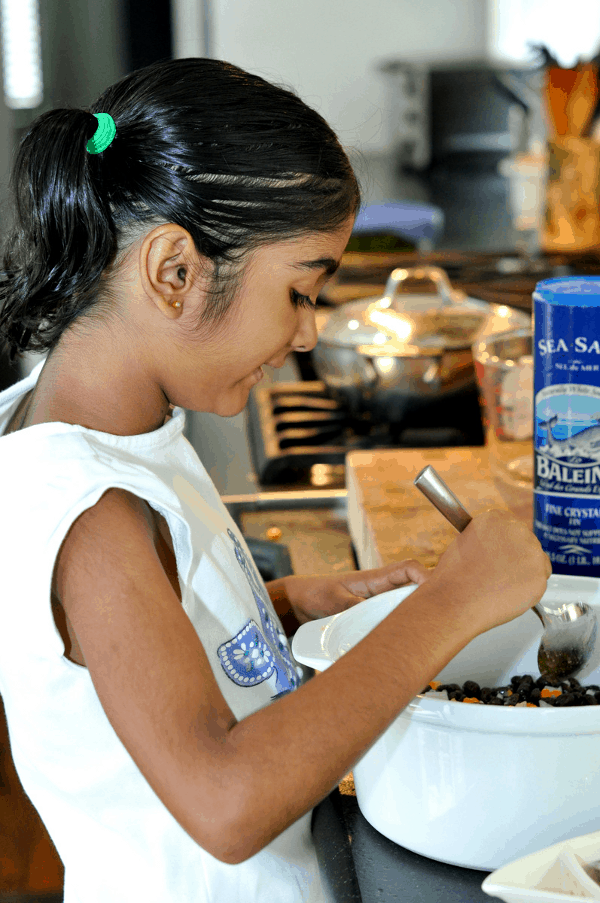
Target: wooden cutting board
column 389, row 519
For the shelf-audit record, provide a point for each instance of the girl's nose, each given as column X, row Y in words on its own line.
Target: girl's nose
column 307, row 335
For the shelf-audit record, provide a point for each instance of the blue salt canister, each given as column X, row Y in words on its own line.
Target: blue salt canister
column 567, row 423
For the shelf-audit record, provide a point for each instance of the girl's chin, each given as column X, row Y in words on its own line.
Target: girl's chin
column 235, row 404
column 256, row 375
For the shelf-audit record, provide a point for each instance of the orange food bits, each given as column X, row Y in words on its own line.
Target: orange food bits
column 472, row 699
column 547, row 692
column 434, row 684
column 531, row 705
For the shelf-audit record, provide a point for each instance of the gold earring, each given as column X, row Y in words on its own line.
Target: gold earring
column 176, row 303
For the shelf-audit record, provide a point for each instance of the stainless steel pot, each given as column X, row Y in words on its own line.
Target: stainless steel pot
column 390, row 354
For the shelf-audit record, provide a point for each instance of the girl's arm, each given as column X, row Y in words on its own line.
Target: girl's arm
column 234, row 786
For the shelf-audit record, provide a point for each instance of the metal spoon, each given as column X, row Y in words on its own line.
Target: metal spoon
column 569, row 630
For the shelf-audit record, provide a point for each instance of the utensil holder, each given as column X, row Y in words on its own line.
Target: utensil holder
column 572, row 220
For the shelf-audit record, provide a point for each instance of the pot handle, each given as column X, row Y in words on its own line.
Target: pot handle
column 370, row 371
column 426, row 273
column 433, row 373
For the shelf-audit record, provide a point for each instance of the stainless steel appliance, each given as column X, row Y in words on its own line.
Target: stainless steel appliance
column 408, row 86
column 462, row 114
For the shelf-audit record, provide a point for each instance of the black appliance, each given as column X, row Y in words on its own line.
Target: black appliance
column 469, row 116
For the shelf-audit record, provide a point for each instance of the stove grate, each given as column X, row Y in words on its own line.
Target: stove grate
column 299, row 435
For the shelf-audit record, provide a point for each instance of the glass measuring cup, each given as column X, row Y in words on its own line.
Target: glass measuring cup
column 504, row 368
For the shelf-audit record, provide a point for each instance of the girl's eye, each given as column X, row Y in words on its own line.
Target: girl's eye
column 299, row 300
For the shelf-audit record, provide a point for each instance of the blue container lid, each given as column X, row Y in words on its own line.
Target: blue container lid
column 571, row 291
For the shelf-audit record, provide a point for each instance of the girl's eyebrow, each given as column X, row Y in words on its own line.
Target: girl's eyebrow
column 322, row 263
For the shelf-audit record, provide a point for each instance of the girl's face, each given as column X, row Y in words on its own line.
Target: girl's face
column 271, row 315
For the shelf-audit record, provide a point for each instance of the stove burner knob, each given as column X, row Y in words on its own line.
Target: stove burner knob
column 274, row 534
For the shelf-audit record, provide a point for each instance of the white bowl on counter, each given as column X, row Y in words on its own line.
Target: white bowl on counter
column 560, row 873
column 473, row 785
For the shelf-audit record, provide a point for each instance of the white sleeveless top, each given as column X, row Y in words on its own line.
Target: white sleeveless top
column 117, row 840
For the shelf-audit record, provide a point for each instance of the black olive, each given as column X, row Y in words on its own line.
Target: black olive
column 523, row 688
column 471, row 688
column 566, row 699
column 525, row 691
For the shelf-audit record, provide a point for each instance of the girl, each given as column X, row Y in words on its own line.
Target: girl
column 166, row 246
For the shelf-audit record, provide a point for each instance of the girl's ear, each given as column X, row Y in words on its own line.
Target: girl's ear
column 169, row 267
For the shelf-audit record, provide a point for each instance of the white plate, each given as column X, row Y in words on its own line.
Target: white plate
column 320, row 643
column 552, row 875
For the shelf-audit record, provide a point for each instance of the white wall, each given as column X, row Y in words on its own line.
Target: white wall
column 568, row 31
column 328, row 50
column 6, row 149
column 82, row 49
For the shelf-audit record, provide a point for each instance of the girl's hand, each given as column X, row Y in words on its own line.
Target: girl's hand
column 495, row 570
column 309, row 598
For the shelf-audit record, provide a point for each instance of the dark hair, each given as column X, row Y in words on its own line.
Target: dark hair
column 233, row 159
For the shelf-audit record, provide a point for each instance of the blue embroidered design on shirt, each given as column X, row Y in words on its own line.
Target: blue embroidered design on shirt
column 251, row 656
column 246, row 658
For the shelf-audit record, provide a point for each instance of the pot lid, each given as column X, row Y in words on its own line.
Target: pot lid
column 408, row 324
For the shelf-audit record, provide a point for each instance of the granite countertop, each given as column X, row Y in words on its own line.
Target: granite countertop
column 390, row 519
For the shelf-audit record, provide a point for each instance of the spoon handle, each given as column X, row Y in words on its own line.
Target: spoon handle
column 435, row 490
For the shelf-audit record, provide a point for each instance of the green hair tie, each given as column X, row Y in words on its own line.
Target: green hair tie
column 103, row 135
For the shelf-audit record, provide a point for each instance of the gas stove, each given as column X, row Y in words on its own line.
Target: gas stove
column 299, row 435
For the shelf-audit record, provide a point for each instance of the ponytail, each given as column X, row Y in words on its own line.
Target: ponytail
column 63, row 236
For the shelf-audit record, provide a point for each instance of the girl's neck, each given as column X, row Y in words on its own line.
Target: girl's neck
column 75, row 388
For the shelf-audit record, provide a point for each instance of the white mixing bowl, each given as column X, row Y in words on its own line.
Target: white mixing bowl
column 473, row 785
